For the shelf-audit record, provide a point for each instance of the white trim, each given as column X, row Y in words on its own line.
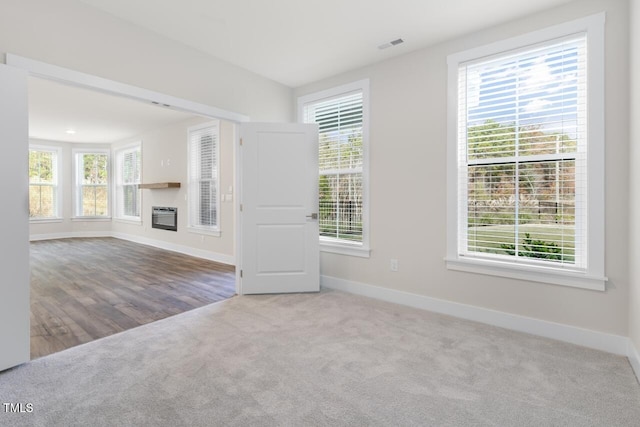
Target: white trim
column 69, row 235
column 76, row 78
column 594, row 277
column 198, row 253
column 611, row 343
column 45, row 220
column 345, row 249
column 363, row 250
column 634, row 359
column 531, row 273
column 204, row 231
column 127, row 221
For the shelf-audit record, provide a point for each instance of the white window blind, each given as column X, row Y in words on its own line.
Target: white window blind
column 92, row 184
column 128, row 171
column 204, row 176
column 522, row 135
column 43, row 183
column 340, row 122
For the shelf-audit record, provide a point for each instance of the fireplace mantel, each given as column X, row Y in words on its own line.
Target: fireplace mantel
column 158, row 185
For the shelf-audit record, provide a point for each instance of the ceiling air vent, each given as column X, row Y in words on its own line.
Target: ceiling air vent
column 391, row 43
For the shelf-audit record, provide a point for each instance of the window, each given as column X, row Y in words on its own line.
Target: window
column 128, row 172
column 204, row 153
column 92, row 183
column 44, row 197
column 342, row 117
column 525, row 157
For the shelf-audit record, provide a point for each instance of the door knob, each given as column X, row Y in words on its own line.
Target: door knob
column 313, row 216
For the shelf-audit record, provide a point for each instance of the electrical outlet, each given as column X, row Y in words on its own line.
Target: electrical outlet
column 394, row 265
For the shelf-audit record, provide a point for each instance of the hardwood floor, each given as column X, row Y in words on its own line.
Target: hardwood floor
column 83, row 289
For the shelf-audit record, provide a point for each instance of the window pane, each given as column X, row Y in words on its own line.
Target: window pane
column 491, row 208
column 95, row 168
column 207, row 211
column 341, row 206
column 547, row 210
column 42, row 201
column 41, row 167
column 537, row 221
column 131, row 206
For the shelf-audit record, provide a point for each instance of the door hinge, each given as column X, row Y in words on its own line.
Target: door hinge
column 241, row 274
column 240, row 207
column 240, row 141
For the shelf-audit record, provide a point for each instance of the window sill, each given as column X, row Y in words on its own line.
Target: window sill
column 45, row 220
column 345, row 249
column 531, row 273
column 128, row 221
column 195, row 230
column 92, row 218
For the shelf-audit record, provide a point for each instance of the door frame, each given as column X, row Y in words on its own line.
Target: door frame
column 70, row 77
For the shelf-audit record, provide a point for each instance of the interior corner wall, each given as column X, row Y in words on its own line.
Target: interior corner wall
column 634, row 240
column 408, row 140
column 71, row 34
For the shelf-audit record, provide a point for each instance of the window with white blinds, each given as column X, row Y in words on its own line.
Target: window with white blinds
column 128, row 177
column 523, row 154
column 204, row 154
column 341, row 120
column 44, row 197
column 92, row 183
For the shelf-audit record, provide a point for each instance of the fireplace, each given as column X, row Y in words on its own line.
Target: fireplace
column 165, row 218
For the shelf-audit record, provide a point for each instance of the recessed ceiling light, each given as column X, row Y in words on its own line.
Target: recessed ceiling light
column 70, row 131
column 391, row 43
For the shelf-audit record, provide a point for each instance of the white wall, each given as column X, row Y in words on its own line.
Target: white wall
column 634, row 241
column 408, row 195
column 76, row 36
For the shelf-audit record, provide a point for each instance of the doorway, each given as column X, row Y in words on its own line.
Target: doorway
column 75, row 307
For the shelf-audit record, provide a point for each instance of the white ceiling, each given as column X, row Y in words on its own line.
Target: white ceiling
column 295, row 42
column 95, row 117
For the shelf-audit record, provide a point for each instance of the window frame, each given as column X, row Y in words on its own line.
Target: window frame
column 58, row 188
column 343, row 246
column 196, row 228
column 77, row 198
column 593, row 275
column 118, row 155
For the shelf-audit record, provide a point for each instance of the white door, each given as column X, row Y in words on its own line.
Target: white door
column 14, row 227
column 279, row 246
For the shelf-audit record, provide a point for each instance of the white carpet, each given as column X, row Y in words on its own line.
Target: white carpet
column 322, row 359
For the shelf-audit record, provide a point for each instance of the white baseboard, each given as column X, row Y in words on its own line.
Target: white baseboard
column 69, row 235
column 615, row 344
column 634, row 359
column 199, row 253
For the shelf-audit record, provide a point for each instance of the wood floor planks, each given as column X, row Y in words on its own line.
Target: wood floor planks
column 83, row 289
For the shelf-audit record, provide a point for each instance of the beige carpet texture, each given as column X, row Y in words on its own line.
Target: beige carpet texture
column 325, row 359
